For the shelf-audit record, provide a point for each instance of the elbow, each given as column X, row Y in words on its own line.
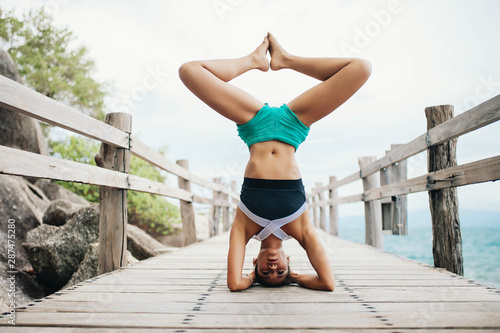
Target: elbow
column 187, row 70
column 233, row 286
column 364, row 68
column 330, row 285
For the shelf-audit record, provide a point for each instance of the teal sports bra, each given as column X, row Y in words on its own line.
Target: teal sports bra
column 273, row 123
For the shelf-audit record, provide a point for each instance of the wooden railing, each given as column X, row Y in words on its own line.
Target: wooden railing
column 385, row 184
column 112, row 177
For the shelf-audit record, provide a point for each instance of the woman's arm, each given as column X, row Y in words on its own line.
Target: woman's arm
column 237, row 242
column 324, row 279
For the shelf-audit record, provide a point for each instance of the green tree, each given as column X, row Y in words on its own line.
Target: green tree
column 151, row 212
column 50, row 62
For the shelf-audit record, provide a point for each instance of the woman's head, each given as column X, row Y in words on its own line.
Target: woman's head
column 272, row 267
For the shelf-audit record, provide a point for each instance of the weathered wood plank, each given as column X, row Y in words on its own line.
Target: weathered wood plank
column 375, row 291
column 23, row 163
column 477, row 117
column 141, row 150
column 16, row 97
column 471, row 173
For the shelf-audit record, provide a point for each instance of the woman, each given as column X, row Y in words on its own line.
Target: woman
column 272, row 204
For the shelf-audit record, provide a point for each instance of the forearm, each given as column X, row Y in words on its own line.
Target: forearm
column 313, row 282
column 244, row 282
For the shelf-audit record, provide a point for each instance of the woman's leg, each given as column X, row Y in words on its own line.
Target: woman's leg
column 208, row 79
column 341, row 79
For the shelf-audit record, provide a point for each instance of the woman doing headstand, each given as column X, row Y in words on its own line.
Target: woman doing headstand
column 272, row 205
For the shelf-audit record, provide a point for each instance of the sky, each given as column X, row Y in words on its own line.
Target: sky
column 423, row 53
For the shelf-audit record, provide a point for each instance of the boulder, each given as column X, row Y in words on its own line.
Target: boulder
column 24, row 203
column 54, row 191
column 56, row 252
column 17, row 130
column 59, row 211
column 26, row 287
column 88, row 267
column 141, row 245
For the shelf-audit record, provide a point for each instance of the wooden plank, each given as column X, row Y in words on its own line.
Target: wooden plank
column 477, row 117
column 18, row 98
column 148, row 154
column 375, row 291
column 471, row 173
column 23, row 163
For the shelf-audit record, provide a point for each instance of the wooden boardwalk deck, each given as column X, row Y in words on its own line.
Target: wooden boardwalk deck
column 185, row 291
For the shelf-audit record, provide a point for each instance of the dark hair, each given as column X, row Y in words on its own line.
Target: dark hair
column 265, row 283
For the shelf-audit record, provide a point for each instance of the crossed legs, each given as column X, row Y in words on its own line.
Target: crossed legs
column 341, row 78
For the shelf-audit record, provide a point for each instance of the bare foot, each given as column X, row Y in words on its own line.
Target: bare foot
column 259, row 56
column 278, row 54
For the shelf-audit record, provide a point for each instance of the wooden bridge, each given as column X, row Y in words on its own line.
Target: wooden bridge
column 185, row 290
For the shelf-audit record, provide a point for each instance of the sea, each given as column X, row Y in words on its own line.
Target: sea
column 480, row 242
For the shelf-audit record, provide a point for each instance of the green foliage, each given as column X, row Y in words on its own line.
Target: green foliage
column 50, row 62
column 152, row 213
column 78, row 149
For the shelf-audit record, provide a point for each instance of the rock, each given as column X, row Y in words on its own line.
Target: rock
column 26, row 288
column 8, row 67
column 56, row 252
column 88, row 267
column 24, row 203
column 17, row 130
column 54, row 191
column 59, row 211
column 141, row 245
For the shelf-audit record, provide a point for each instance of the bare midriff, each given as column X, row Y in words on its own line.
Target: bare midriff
column 272, row 160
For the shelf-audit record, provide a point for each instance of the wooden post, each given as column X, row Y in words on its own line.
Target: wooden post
column 112, row 252
column 315, row 208
column 399, row 172
column 215, row 212
column 225, row 212
column 187, row 210
column 447, row 239
column 387, row 205
column 373, row 211
column 233, row 211
column 394, row 209
column 322, row 209
column 334, row 210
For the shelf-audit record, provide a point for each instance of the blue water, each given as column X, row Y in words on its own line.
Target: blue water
column 480, row 249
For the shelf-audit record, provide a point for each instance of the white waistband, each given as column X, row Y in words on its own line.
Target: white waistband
column 271, row 226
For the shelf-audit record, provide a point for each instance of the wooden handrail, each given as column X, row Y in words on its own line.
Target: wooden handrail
column 477, row 117
column 116, row 143
column 16, row 97
column 23, row 163
column 19, row 98
column 385, row 203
